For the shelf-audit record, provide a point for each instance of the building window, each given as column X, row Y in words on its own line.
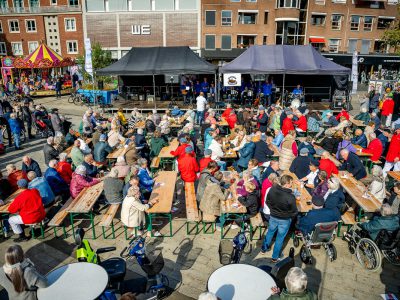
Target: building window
column 3, row 4
column 188, row 4
column 339, row 1
column 352, row 45
column 244, row 41
column 251, row 0
column 3, row 49
column 53, row 2
column 380, row 47
column 354, row 23
column 13, row 25
column 70, row 24
column 72, row 47
column 34, row 3
column 235, row 0
column 287, row 3
column 365, row 45
column 226, row 18
column 18, row 3
column 1, row 27
column 163, row 4
column 318, row 20
column 265, row 38
column 247, row 18
column 334, row 45
column 73, row 2
column 210, row 42
column 265, row 17
column 384, row 23
column 393, row 2
column 320, row 2
column 210, row 17
column 368, row 21
column 287, row 33
column 226, row 42
column 30, row 26
column 17, row 48
column 32, row 46
column 336, row 22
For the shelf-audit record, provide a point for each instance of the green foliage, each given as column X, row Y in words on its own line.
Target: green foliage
column 391, row 36
column 100, row 59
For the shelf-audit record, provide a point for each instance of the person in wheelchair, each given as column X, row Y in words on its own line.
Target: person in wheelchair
column 386, row 220
column 318, row 214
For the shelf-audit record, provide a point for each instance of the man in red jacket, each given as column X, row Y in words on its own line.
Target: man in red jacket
column 231, row 119
column 375, row 147
column 387, row 111
column 343, row 113
column 206, row 159
column 14, row 175
column 327, row 165
column 188, row 166
column 301, row 123
column 287, row 124
column 29, row 208
column 227, row 111
column 393, row 154
column 180, row 151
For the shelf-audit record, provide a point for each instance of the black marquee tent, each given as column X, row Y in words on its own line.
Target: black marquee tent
column 283, row 59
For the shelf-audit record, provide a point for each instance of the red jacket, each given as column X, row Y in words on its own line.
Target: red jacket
column 188, row 168
column 265, row 186
column 328, row 166
column 287, row 126
column 344, row 114
column 301, row 123
column 29, row 206
column 204, row 162
column 387, row 107
column 394, row 148
column 14, row 177
column 180, row 151
column 231, row 120
column 65, row 171
column 79, row 182
column 375, row 148
column 226, row 113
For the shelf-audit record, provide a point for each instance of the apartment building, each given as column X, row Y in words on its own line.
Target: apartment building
column 119, row 25
column 24, row 24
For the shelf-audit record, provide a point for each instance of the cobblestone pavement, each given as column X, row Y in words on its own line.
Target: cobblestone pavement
column 189, row 260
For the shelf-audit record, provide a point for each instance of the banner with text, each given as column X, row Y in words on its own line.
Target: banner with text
column 88, row 57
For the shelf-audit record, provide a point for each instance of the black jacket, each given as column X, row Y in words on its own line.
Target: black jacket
column 329, row 144
column 34, row 166
column 300, row 166
column 49, row 153
column 335, row 200
column 140, row 140
column 281, row 202
column 262, row 151
column 263, row 122
column 355, row 166
column 251, row 202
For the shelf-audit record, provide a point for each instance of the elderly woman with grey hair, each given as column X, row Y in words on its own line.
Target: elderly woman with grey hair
column 377, row 186
column 113, row 187
column 80, row 180
column 296, row 286
column 121, row 167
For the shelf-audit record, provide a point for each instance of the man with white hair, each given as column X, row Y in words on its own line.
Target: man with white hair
column 388, row 220
column 327, row 165
column 296, row 286
column 41, row 184
column 113, row 187
column 376, row 120
column 201, row 107
column 363, row 116
column 76, row 154
column 156, row 118
column 334, row 197
column 101, row 150
column 56, row 182
column 207, row 296
column 375, row 147
column 359, row 138
column 352, row 164
column 49, row 151
column 29, row 164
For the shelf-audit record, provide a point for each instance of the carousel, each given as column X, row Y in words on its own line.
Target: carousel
column 39, row 70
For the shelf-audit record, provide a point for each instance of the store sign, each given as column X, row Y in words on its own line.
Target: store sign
column 141, row 29
column 232, row 79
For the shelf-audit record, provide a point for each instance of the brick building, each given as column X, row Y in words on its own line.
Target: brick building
column 120, row 25
column 333, row 26
column 26, row 23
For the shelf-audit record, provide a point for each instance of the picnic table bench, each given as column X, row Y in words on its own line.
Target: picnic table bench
column 108, row 219
column 165, row 151
column 9, row 200
column 223, row 122
column 304, row 203
column 163, row 192
column 140, row 124
column 357, row 123
column 60, row 216
column 117, row 153
column 192, row 211
column 359, row 151
column 395, row 175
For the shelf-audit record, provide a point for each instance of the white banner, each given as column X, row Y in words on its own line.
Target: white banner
column 88, row 57
column 232, row 79
column 354, row 72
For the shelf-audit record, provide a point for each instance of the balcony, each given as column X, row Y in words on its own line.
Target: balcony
column 41, row 10
column 287, row 14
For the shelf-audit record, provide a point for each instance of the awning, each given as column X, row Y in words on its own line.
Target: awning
column 317, row 40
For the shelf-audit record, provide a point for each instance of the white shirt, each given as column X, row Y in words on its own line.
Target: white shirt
column 84, row 147
column 266, row 210
column 311, row 177
column 216, row 150
column 201, row 103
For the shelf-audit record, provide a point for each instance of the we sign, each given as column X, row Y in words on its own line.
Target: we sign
column 141, row 29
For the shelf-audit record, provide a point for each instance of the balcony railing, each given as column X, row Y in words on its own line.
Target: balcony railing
column 41, row 9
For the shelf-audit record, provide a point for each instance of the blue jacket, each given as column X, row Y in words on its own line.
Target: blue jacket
column 34, row 166
column 44, row 189
column 335, row 200
column 277, row 141
column 262, row 151
column 311, row 150
column 15, row 125
column 101, row 150
column 57, row 184
column 301, row 166
column 257, row 175
column 354, row 165
column 176, row 112
column 207, row 140
column 145, row 180
column 267, row 88
column 307, row 223
column 332, row 121
column 360, row 140
column 246, row 153
column 390, row 223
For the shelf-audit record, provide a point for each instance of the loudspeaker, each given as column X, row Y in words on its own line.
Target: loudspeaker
column 171, row 79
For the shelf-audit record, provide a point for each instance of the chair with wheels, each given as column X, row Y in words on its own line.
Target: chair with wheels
column 323, row 235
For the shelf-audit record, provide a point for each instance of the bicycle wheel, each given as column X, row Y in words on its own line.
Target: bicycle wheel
column 22, row 136
column 71, row 98
column 78, row 99
column 5, row 134
column 368, row 254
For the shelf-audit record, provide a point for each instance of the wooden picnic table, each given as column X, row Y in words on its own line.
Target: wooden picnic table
column 9, row 200
column 356, row 190
column 395, row 175
column 117, row 153
column 302, row 205
column 223, row 122
column 231, row 205
column 230, row 154
column 357, row 123
column 140, row 124
column 165, row 152
column 84, row 202
column 163, row 191
column 69, row 149
column 331, row 157
column 359, row 151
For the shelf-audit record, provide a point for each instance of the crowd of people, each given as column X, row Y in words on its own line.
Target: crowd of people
column 280, row 151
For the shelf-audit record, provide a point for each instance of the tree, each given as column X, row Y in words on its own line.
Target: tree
column 391, row 36
column 100, row 59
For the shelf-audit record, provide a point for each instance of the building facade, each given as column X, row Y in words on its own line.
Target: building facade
column 24, row 24
column 119, row 25
column 332, row 26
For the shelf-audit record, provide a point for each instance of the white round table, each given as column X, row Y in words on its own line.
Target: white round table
column 78, row 281
column 240, row 281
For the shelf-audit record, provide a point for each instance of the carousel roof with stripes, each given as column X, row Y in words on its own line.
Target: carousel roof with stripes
column 44, row 52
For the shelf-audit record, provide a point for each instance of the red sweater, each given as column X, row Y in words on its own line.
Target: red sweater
column 375, row 148
column 65, row 171
column 14, row 177
column 180, row 151
column 344, row 114
column 287, row 126
column 394, row 148
column 265, row 186
column 387, row 107
column 301, row 123
column 231, row 120
column 204, row 162
column 188, row 168
column 29, row 206
column 226, row 113
column 328, row 166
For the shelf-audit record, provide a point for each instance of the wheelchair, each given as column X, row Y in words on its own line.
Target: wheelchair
column 323, row 235
column 369, row 252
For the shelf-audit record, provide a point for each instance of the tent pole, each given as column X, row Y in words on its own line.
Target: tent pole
column 216, row 87
column 154, row 92
column 283, row 89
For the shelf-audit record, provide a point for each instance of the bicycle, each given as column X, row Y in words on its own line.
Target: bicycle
column 6, row 137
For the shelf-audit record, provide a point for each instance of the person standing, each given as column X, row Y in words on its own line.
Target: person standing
column 201, row 107
column 283, row 209
column 27, row 117
column 16, row 129
column 58, row 88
